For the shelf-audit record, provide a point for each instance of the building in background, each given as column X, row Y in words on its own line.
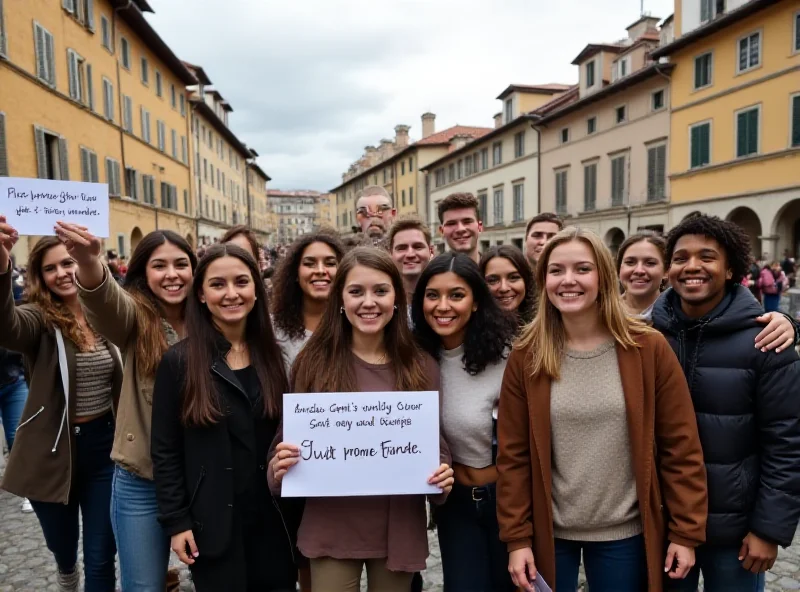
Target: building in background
column 326, row 211
column 397, row 167
column 262, row 219
column 90, row 92
column 498, row 167
column 605, row 144
column 735, row 125
column 295, row 213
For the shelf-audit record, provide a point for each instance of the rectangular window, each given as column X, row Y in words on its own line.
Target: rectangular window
column 706, row 10
column 125, row 51
column 700, row 145
column 113, row 176
column 591, row 126
column 44, row 46
column 89, row 173
column 403, row 167
column 468, row 166
column 145, row 125
column 622, row 114
column 497, row 153
column 749, row 52
column 145, row 71
column 174, row 138
column 440, row 178
column 656, row 172
column 51, row 155
column 76, row 68
column 509, row 105
column 795, row 121
column 108, row 99
column 618, row 181
column 223, row 186
column 173, row 96
column 182, row 102
column 184, row 151
column 460, row 169
column 132, row 183
column 482, row 199
column 658, row 100
column 565, row 135
column 161, row 131
column 212, row 174
column 590, row 74
column 186, row 201
column 149, row 189
column 205, row 169
column 703, row 70
column 127, row 114
column 403, row 197
column 410, row 165
column 519, row 144
column 561, row 192
column 498, row 206
column 519, row 202
column 451, row 173
column 411, row 196
column 747, row 131
column 87, row 8
column 484, row 159
column 105, row 33
column 590, row 187
column 159, row 85
column 795, row 37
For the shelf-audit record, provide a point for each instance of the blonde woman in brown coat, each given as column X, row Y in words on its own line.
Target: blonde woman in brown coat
column 599, row 454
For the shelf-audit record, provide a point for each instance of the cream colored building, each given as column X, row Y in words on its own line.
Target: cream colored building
column 500, row 168
column 295, row 213
column 261, row 216
column 604, row 145
column 325, row 211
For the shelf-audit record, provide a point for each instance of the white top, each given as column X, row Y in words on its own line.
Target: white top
column 468, row 405
column 290, row 347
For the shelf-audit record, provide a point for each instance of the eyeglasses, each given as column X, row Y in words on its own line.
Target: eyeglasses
column 380, row 210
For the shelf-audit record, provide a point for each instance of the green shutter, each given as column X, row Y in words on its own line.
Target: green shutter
column 741, row 134
column 752, row 132
column 796, row 118
column 3, row 151
column 705, row 144
column 695, row 147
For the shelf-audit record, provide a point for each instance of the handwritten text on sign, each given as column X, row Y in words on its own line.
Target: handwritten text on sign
column 33, row 206
column 362, row 443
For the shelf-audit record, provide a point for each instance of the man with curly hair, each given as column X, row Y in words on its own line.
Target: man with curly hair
column 746, row 400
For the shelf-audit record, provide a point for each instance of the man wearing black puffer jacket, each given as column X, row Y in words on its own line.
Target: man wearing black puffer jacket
column 747, row 404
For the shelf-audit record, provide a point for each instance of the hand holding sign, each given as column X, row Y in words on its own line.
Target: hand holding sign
column 8, row 238
column 82, row 245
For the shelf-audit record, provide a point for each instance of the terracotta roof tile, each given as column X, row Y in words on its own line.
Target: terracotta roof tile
column 444, row 136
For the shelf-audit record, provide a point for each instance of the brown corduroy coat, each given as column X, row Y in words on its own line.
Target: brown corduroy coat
column 665, row 446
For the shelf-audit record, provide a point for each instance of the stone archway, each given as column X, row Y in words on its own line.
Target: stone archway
column 786, row 227
column 614, row 239
column 749, row 221
column 136, row 237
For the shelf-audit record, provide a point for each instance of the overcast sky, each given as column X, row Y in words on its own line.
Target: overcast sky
column 314, row 81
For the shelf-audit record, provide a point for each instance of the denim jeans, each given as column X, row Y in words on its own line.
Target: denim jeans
column 473, row 557
column 722, row 572
column 143, row 546
column 90, row 496
column 611, row 566
column 12, row 402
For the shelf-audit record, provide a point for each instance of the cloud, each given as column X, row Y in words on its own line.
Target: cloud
column 313, row 82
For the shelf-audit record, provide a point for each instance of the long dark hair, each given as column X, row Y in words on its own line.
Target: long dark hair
column 200, row 403
column 287, row 295
column 242, row 230
column 527, row 308
column 151, row 343
column 325, row 363
column 490, row 330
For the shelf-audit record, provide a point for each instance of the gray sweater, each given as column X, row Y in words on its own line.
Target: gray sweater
column 468, row 405
column 594, row 487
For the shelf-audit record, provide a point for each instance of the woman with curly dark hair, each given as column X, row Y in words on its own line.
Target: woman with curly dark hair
column 301, row 287
column 510, row 279
column 459, row 323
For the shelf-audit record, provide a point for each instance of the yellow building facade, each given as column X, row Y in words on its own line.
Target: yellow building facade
column 90, row 92
column 735, row 119
column 262, row 219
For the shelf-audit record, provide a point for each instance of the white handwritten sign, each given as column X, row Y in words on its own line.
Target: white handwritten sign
column 33, row 206
column 362, row 443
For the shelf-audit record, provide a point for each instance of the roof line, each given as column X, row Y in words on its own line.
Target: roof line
column 220, row 126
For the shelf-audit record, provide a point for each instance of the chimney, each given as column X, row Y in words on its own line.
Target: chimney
column 371, row 155
column 428, row 124
column 498, row 120
column 386, row 149
column 459, row 141
column 401, row 136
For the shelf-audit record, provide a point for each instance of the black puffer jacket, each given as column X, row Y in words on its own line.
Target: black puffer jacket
column 748, row 415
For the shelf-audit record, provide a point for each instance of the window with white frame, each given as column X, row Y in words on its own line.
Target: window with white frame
column 519, row 144
column 561, row 191
column 656, row 172
column 498, row 206
column 590, row 74
column 145, row 124
column 468, row 166
column 44, row 46
column 747, row 131
column 127, row 114
column 149, row 189
column 519, row 202
column 52, row 159
column 76, row 70
column 108, row 99
column 89, row 172
column 145, row 66
column 125, row 53
column 497, row 153
column 703, row 70
column 509, row 107
column 591, row 126
column 484, row 159
column 657, row 100
column 749, row 52
column 113, row 177
column 699, row 144
column 132, row 183
column 618, row 180
column 590, row 187
column 105, row 33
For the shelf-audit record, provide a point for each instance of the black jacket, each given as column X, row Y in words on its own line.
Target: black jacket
column 194, row 467
column 748, row 415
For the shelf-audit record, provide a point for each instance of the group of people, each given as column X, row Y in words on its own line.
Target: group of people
column 652, row 431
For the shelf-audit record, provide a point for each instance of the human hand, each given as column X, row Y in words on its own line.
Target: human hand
column 443, row 478
column 683, row 559
column 756, row 554
column 82, row 245
column 522, row 568
column 286, row 456
column 179, row 543
column 777, row 335
column 8, row 238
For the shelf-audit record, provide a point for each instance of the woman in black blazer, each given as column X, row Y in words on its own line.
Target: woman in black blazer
column 216, row 408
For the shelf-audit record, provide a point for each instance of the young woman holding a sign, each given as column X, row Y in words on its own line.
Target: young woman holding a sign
column 364, row 345
column 216, row 409
column 143, row 319
column 457, row 320
column 60, row 459
column 598, row 446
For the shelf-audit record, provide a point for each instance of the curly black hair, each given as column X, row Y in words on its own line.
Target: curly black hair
column 287, row 296
column 731, row 237
column 490, row 330
column 527, row 308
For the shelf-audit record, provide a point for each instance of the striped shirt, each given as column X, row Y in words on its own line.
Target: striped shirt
column 93, row 380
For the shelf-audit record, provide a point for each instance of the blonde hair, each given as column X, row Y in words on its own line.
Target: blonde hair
column 545, row 337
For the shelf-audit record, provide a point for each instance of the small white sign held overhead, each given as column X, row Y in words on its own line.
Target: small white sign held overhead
column 354, row 444
column 33, row 206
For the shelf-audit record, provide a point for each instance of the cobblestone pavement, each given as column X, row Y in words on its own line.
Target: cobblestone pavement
column 27, row 566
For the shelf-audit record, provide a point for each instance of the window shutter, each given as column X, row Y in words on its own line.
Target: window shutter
column 90, row 15
column 752, row 131
column 85, row 166
column 69, row 5
column 796, row 115
column 3, row 151
column 705, row 144
column 72, row 75
column 109, row 175
column 50, row 56
column 95, row 177
column 117, row 178
column 64, row 158
column 89, row 86
column 741, row 134
column 39, row 46
column 41, row 152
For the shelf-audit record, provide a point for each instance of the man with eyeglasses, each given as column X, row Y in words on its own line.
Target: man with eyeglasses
column 375, row 213
column 540, row 230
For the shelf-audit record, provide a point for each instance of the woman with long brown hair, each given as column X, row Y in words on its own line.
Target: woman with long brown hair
column 60, row 459
column 597, row 437
column 365, row 345
column 216, row 408
column 510, row 279
column 143, row 319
